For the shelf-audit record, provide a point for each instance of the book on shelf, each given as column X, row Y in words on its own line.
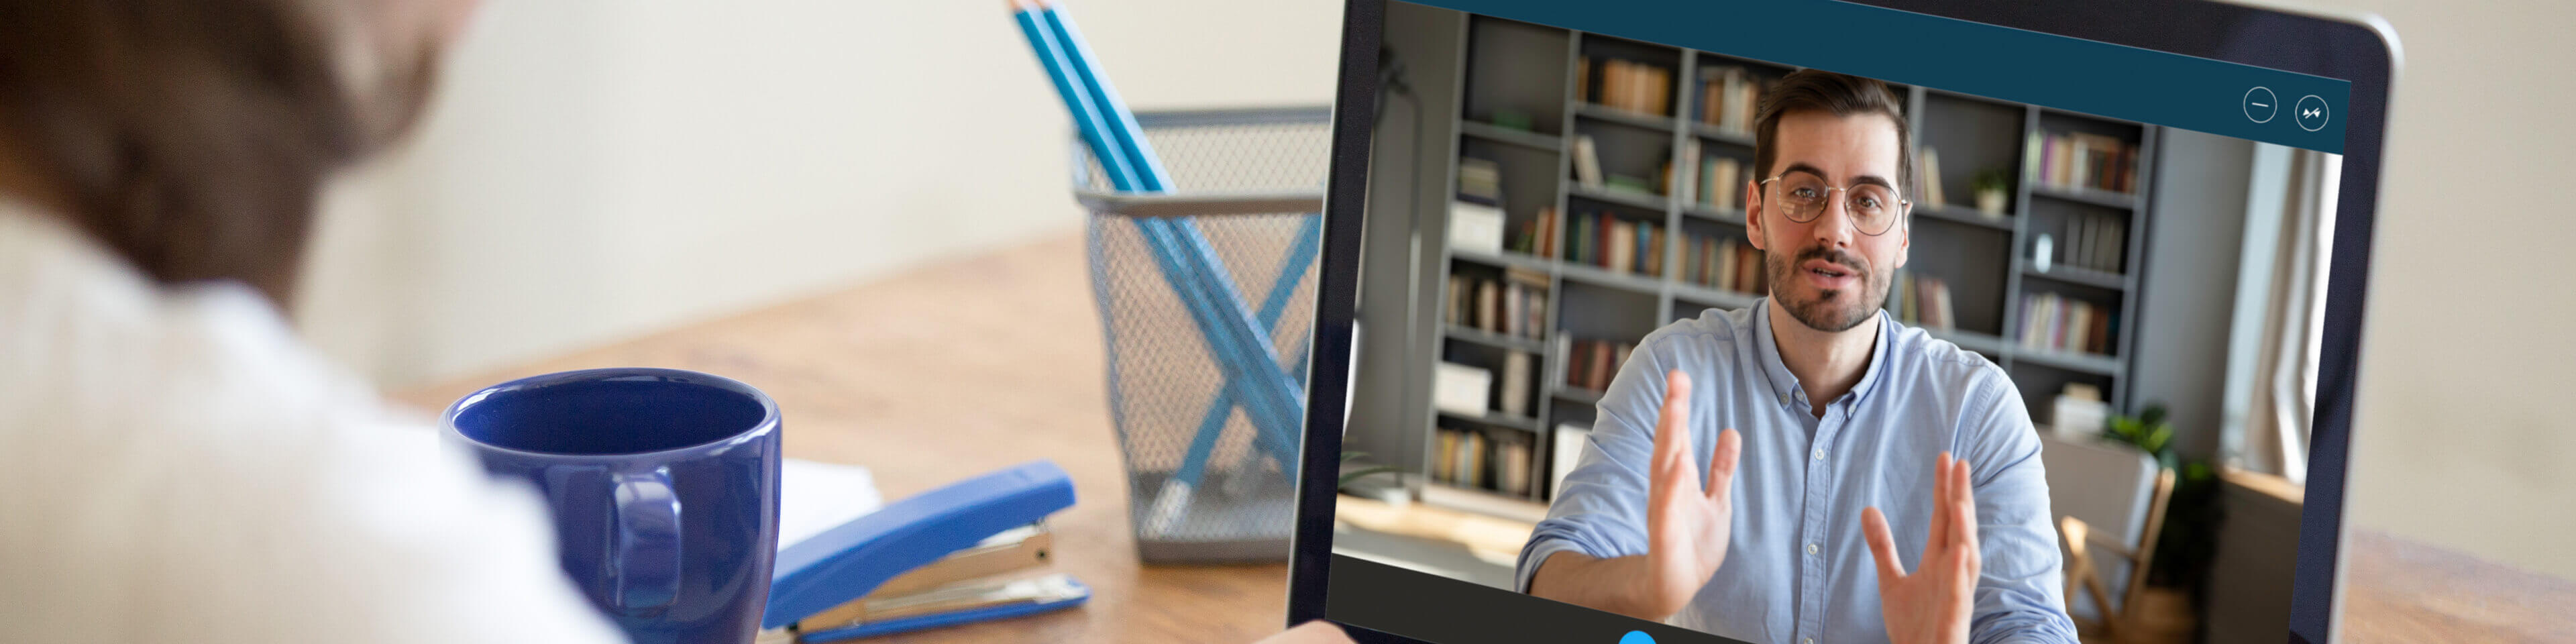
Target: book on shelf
column 1598, row 367
column 1920, row 300
column 2084, row 160
column 1489, row 307
column 1728, row 97
column 1652, row 236
column 1514, row 306
column 1928, row 173
column 1473, row 459
column 1721, row 182
column 1537, row 237
column 1590, row 364
column 1616, row 244
column 2052, row 322
column 1750, row 271
column 2092, row 241
column 1480, row 181
column 1684, row 188
column 1619, row 255
column 1565, row 449
column 1461, row 293
column 1631, row 85
column 1560, row 352
column 1722, row 262
column 1587, row 163
column 1532, row 319
column 1529, row 296
column 1583, row 79
column 1515, row 394
column 1512, row 471
column 1496, row 461
column 1444, row 451
column 1459, row 458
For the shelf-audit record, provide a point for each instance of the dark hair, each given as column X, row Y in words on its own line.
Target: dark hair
column 192, row 137
column 1837, row 94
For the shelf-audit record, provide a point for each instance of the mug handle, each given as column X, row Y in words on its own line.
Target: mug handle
column 644, row 564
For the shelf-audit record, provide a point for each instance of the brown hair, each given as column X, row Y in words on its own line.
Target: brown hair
column 1837, row 94
column 192, row 137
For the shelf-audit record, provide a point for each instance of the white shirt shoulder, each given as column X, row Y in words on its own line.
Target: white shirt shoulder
column 175, row 466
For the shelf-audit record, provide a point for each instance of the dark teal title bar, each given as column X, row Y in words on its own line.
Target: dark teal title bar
column 2058, row 72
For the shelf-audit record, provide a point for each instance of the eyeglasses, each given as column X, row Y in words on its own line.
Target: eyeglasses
column 1874, row 208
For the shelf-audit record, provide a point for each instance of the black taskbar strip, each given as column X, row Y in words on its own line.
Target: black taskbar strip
column 1433, row 608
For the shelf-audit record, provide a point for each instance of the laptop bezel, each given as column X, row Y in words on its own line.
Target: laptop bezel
column 2358, row 48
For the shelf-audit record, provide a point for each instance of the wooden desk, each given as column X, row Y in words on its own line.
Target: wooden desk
column 950, row 371
column 2406, row 592
column 975, row 364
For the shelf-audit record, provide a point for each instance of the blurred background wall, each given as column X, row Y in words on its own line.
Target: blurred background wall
column 2464, row 435
column 597, row 170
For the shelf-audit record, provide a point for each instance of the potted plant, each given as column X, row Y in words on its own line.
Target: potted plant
column 1994, row 188
column 2189, row 539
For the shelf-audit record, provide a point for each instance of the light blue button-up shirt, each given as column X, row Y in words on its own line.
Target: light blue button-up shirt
column 1797, row 570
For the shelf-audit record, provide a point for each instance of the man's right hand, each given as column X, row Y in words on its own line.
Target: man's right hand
column 1687, row 523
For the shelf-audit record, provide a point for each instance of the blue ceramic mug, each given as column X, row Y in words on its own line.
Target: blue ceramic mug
column 663, row 484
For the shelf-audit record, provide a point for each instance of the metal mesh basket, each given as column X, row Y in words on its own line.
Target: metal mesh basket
column 1252, row 180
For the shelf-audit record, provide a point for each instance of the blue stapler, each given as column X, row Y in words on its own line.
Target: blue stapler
column 958, row 554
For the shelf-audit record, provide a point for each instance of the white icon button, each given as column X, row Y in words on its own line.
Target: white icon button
column 2261, row 105
column 2312, row 113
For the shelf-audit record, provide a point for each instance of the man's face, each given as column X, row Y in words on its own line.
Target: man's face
column 1825, row 272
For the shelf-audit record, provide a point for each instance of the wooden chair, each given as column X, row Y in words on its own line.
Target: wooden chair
column 2110, row 505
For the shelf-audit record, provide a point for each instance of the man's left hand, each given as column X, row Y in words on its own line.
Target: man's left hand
column 1931, row 606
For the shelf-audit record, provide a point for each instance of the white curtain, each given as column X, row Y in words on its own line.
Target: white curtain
column 2284, row 286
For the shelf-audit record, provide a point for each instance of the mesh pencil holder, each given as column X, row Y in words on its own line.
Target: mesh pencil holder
column 1205, row 482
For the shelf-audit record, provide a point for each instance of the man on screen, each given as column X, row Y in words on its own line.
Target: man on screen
column 1828, row 507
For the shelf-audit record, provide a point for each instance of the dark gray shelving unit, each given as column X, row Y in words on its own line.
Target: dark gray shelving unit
column 1507, row 71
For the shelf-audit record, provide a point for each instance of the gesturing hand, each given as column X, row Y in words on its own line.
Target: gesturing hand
column 1686, row 524
column 1932, row 605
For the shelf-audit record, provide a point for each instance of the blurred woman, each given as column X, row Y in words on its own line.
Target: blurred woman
column 175, row 466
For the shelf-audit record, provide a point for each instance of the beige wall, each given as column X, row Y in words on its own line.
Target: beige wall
column 2464, row 436
column 599, row 169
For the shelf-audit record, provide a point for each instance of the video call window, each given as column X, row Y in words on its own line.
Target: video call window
column 2113, row 325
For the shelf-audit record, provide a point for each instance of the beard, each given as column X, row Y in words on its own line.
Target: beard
column 1828, row 310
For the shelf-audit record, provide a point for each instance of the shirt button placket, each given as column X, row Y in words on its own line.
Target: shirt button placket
column 1819, row 492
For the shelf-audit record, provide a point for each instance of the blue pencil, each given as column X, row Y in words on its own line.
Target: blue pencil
column 1188, row 261
column 1276, row 405
column 1271, row 396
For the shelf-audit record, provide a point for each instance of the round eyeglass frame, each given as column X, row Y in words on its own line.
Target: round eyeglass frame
column 1904, row 207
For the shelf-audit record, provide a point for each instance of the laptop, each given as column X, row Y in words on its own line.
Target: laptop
column 1800, row 321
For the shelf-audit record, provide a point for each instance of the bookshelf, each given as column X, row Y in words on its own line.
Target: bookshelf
column 1530, row 99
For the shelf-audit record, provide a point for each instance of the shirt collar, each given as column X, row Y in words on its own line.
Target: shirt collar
column 1784, row 384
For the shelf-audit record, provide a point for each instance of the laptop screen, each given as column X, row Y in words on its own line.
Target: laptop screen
column 1813, row 322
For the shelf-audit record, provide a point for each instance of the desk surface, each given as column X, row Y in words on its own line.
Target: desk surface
column 976, row 364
